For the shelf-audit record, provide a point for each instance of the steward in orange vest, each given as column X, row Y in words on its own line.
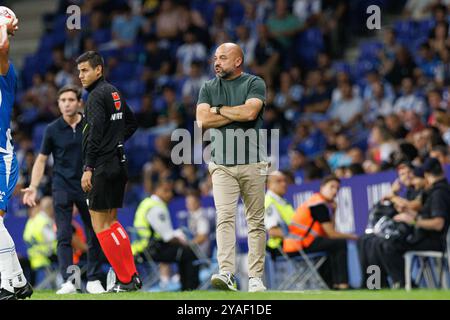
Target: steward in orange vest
column 312, row 230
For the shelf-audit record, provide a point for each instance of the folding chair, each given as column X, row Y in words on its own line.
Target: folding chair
column 144, row 259
column 427, row 271
column 304, row 268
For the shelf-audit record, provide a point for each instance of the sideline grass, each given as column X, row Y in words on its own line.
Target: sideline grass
column 270, row 295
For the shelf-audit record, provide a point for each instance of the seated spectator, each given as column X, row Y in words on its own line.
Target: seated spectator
column 157, row 236
column 349, row 109
column 395, row 126
column 247, row 43
column 403, row 66
column 288, row 96
column 430, row 223
column 191, row 50
column 377, row 105
column 283, row 25
column 427, row 62
column 435, row 104
column 342, row 77
column 124, row 29
column 198, row 223
column 443, row 69
column 40, row 238
column 154, row 57
column 383, row 145
column 316, row 96
column 167, row 20
column 413, row 123
column 409, row 100
column 267, row 56
column 387, row 54
column 192, row 85
column 441, row 153
column 314, row 223
column 146, row 117
column 443, row 124
column 439, row 37
column 297, row 164
column 278, row 212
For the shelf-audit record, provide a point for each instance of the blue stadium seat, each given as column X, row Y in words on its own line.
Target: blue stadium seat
column 370, row 49
column 101, row 36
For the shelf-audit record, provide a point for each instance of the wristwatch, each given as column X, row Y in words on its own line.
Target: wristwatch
column 217, row 108
column 87, row 168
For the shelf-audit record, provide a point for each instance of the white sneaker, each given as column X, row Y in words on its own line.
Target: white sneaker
column 224, row 281
column 95, row 287
column 110, row 279
column 67, row 288
column 255, row 285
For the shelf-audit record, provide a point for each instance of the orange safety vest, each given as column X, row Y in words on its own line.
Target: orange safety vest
column 303, row 229
column 77, row 253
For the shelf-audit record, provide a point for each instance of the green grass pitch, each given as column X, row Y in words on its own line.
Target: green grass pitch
column 269, row 295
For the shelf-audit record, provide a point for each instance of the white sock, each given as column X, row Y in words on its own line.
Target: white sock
column 10, row 269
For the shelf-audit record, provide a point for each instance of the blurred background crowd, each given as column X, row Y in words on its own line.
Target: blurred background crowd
column 391, row 103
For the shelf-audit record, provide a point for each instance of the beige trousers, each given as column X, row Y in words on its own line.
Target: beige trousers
column 230, row 182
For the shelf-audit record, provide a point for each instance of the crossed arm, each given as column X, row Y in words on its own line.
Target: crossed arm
column 242, row 113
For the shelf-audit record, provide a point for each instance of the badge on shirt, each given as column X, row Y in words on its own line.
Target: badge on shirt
column 116, row 98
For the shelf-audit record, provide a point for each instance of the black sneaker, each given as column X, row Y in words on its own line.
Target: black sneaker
column 24, row 292
column 7, row 295
column 134, row 285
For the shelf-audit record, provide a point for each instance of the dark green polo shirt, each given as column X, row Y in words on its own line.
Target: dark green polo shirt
column 237, row 142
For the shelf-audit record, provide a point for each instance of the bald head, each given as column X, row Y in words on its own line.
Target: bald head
column 228, row 61
column 277, row 183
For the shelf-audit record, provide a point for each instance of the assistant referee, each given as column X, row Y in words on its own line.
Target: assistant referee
column 109, row 122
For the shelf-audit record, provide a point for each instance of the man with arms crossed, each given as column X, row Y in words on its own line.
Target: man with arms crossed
column 232, row 104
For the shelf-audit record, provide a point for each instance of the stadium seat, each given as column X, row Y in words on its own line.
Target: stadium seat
column 427, row 268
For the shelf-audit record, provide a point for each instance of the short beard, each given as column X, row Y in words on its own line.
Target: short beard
column 225, row 74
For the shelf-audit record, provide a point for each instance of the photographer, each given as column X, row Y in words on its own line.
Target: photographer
column 381, row 226
column 430, row 224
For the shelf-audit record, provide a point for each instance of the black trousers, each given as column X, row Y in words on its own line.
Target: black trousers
column 390, row 253
column 183, row 256
column 334, row 270
column 367, row 251
column 63, row 203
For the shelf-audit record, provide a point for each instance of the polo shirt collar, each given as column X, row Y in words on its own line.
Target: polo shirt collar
column 64, row 124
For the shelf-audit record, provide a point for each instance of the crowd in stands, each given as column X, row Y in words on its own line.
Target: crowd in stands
column 334, row 117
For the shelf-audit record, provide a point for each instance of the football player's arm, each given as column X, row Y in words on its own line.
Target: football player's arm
column 5, row 31
column 4, row 50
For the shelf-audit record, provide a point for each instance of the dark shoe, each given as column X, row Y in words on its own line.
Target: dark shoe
column 7, row 295
column 25, row 292
column 134, row 285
